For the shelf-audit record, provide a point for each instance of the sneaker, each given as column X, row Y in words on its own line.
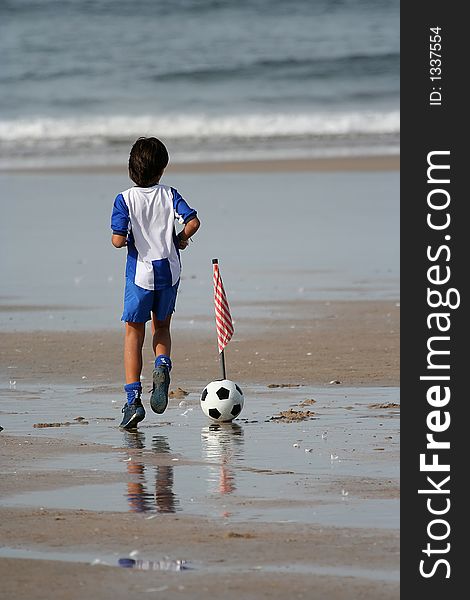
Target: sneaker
column 133, row 414
column 161, row 383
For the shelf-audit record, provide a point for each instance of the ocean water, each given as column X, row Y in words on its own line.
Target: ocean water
column 81, row 79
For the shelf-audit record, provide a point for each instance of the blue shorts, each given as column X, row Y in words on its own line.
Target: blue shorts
column 138, row 303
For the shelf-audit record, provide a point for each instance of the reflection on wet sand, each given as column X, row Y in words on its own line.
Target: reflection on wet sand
column 221, row 446
column 222, row 442
column 163, row 500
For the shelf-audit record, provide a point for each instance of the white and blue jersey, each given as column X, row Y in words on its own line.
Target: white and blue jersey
column 147, row 217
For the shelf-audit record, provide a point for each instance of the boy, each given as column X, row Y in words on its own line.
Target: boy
column 143, row 219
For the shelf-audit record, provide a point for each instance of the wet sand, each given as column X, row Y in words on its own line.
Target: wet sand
column 46, row 579
column 294, row 524
column 262, row 509
column 355, row 342
column 352, row 252
column 242, row 561
column 334, row 163
column 275, row 521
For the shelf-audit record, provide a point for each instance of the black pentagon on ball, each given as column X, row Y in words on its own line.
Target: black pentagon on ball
column 236, row 410
column 223, row 393
column 239, row 389
column 214, row 413
column 204, row 394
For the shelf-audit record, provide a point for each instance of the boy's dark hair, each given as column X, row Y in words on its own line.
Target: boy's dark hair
column 147, row 160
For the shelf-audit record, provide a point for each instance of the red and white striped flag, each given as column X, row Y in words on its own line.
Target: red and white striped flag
column 223, row 319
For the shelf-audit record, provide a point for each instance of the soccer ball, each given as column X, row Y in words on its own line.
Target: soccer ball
column 222, row 400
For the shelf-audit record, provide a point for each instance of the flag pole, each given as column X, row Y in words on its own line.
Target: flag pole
column 215, row 261
column 222, row 365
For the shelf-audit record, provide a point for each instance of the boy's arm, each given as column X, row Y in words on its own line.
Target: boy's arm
column 119, row 222
column 189, row 230
column 187, row 215
column 118, row 241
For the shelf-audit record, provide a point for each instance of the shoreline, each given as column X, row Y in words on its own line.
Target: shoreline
column 319, row 164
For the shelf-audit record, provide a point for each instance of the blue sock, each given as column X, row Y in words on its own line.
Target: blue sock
column 163, row 360
column 133, row 391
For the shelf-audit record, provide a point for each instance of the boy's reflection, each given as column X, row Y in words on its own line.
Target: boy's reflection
column 222, row 443
column 139, row 498
column 165, row 499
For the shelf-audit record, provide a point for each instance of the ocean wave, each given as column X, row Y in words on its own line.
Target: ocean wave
column 320, row 66
column 98, row 131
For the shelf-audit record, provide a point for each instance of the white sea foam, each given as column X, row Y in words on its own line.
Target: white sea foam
column 96, row 131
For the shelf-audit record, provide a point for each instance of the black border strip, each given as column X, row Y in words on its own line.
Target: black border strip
column 432, row 124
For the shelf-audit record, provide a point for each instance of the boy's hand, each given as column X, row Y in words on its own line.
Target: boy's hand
column 182, row 244
column 189, row 229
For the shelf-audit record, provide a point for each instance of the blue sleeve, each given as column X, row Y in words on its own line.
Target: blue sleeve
column 120, row 216
column 183, row 212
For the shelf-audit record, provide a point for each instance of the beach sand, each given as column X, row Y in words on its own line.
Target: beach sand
column 355, row 342
column 47, row 550
column 287, row 165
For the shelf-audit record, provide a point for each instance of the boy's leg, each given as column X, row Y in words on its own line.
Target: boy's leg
column 133, row 343
column 161, row 336
column 137, row 306
column 161, row 373
column 133, row 410
column 162, row 310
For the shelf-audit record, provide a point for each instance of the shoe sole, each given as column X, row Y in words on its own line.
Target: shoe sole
column 130, row 424
column 159, row 378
